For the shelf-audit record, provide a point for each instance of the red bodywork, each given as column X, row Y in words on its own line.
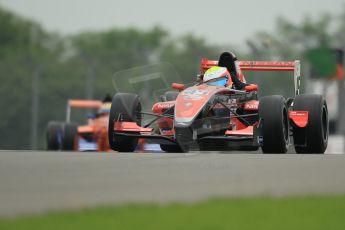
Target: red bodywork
column 299, row 118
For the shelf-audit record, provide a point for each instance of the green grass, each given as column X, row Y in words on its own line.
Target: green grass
column 315, row 212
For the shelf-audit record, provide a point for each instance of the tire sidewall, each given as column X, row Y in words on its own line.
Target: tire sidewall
column 126, row 107
column 274, row 124
column 315, row 134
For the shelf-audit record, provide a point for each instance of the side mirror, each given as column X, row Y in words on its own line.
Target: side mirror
column 178, row 86
column 251, row 88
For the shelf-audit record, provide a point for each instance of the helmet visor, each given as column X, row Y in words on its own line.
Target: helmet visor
column 218, row 81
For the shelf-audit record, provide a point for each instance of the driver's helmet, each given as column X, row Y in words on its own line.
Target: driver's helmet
column 105, row 108
column 216, row 76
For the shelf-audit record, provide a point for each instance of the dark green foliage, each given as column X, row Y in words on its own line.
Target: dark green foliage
column 81, row 66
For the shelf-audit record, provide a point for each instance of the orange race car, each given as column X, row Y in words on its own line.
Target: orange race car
column 92, row 136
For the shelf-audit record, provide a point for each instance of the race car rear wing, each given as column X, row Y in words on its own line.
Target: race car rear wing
column 292, row 66
column 82, row 104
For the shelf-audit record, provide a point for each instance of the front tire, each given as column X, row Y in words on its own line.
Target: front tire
column 275, row 124
column 70, row 137
column 54, row 135
column 125, row 107
column 314, row 137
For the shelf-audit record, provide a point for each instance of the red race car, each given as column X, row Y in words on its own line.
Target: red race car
column 207, row 116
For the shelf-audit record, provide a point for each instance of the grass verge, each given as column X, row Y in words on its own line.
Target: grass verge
column 313, row 212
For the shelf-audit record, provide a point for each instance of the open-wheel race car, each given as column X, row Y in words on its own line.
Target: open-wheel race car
column 209, row 117
column 71, row 136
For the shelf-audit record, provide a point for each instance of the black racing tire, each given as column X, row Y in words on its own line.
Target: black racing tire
column 273, row 113
column 169, row 96
column 70, row 137
column 54, row 135
column 313, row 138
column 126, row 107
column 171, row 148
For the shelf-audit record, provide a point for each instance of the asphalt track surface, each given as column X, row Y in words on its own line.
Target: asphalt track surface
column 36, row 182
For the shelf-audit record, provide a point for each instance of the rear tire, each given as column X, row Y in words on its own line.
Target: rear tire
column 70, row 137
column 54, row 135
column 125, row 107
column 275, row 124
column 314, row 137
